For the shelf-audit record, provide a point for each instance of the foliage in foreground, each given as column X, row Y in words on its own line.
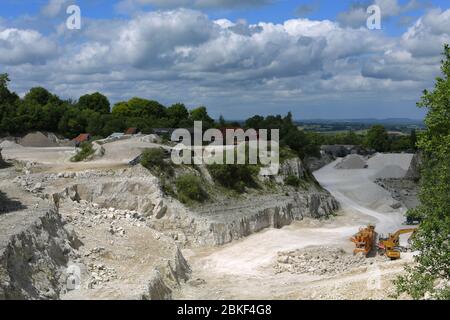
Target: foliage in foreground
column 154, row 160
column 189, row 189
column 86, row 151
column 292, row 181
column 430, row 276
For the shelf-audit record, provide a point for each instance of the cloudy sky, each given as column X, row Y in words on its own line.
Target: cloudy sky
column 316, row 58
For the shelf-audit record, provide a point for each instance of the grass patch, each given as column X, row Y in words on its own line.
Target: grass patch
column 234, row 176
column 190, row 189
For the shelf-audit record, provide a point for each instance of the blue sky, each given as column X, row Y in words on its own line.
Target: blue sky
column 276, row 11
column 315, row 58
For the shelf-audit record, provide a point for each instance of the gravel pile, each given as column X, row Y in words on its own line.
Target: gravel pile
column 382, row 160
column 352, row 161
column 38, row 140
column 392, row 171
column 319, row 261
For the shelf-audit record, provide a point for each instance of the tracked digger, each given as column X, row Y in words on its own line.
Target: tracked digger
column 390, row 246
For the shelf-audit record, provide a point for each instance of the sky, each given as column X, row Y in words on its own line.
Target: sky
column 315, row 58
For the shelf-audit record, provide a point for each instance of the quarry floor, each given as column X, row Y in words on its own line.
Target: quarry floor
column 245, row 269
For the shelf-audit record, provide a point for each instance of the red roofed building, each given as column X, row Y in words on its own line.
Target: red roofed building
column 82, row 138
column 131, row 131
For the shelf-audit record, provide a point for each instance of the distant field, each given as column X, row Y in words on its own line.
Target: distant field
column 329, row 127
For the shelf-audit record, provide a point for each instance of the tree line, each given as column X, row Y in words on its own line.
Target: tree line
column 41, row 110
column 376, row 138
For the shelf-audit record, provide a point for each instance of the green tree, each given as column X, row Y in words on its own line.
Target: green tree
column 299, row 142
column 432, row 238
column 38, row 95
column 138, row 107
column 74, row 121
column 6, row 96
column 156, row 109
column 255, row 122
column 402, row 143
column 122, row 109
column 112, row 123
column 377, row 138
column 8, row 101
column 177, row 114
column 201, row 114
column 4, row 80
column 96, row 102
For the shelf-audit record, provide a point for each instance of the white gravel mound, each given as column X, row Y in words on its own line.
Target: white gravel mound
column 352, row 161
column 38, row 140
column 381, row 161
column 392, row 171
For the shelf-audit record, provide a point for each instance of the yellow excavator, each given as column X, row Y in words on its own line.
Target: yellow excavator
column 390, row 246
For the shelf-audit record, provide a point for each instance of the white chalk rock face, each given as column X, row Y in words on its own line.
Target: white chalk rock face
column 291, row 167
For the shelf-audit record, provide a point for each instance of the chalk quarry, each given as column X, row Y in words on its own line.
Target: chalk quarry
column 103, row 229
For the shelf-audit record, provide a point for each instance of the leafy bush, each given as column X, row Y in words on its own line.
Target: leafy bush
column 286, row 153
column 86, row 151
column 292, row 181
column 431, row 239
column 189, row 188
column 377, row 138
column 234, row 176
column 154, row 160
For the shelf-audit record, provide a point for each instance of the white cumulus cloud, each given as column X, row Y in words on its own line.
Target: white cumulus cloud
column 24, row 46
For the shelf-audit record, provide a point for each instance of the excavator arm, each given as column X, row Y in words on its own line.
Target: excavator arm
column 390, row 245
column 397, row 234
